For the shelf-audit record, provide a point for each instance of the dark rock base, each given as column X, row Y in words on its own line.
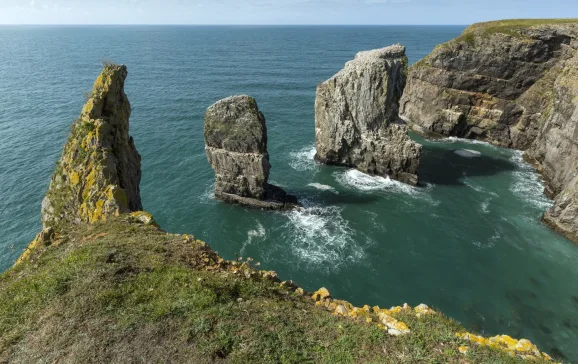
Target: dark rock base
column 276, row 199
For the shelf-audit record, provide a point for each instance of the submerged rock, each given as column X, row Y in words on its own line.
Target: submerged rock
column 98, row 174
column 236, row 147
column 513, row 84
column 356, row 117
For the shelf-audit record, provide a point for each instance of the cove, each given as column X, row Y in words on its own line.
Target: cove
column 468, row 241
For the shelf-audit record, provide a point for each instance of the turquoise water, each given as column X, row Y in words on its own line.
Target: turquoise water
column 468, row 241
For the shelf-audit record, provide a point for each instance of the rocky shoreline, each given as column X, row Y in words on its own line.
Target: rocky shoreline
column 513, row 84
column 524, row 98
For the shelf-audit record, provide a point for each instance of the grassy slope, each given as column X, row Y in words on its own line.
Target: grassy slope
column 124, row 292
column 510, row 27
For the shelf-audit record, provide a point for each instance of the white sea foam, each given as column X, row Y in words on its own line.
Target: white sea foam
column 364, row 182
column 322, row 187
column 303, row 159
column 208, row 194
column 321, row 238
column 462, row 140
column 470, row 183
column 527, row 184
column 490, row 243
column 468, row 153
column 486, row 206
column 258, row 233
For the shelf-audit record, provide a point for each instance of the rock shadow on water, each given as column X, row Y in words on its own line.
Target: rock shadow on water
column 328, row 198
column 441, row 166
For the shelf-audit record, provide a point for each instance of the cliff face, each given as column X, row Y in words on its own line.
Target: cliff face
column 236, row 147
column 356, row 117
column 144, row 293
column 98, row 174
column 513, row 84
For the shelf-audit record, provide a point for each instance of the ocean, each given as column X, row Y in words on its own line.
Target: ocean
column 468, row 241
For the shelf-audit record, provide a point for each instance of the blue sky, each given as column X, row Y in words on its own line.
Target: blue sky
column 277, row 11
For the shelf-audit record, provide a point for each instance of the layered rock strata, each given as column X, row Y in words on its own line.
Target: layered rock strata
column 356, row 117
column 98, row 174
column 236, row 147
column 513, row 84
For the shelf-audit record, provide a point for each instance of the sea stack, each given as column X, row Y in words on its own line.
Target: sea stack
column 356, row 117
column 236, row 147
column 98, row 174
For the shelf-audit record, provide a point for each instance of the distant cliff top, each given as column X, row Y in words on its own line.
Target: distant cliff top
column 512, row 27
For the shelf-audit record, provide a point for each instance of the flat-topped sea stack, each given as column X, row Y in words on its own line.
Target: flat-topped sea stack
column 356, row 117
column 512, row 83
column 236, row 147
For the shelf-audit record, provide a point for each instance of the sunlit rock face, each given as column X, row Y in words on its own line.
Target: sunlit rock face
column 356, row 117
column 98, row 174
column 513, row 84
column 236, row 147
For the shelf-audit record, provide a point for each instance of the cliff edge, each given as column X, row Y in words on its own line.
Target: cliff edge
column 512, row 83
column 103, row 285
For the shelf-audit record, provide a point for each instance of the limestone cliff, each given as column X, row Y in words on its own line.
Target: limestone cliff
column 95, row 287
column 511, row 83
column 98, row 174
column 236, row 147
column 356, row 117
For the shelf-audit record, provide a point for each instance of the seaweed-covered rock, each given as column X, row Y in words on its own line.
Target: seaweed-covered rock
column 236, row 147
column 98, row 174
column 356, row 117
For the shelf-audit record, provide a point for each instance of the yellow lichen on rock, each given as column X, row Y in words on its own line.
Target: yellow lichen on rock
column 522, row 348
column 44, row 238
column 394, row 326
column 321, row 294
column 98, row 174
column 145, row 218
column 423, row 310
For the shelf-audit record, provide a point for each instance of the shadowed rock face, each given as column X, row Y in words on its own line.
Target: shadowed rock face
column 356, row 117
column 236, row 147
column 514, row 85
column 98, row 174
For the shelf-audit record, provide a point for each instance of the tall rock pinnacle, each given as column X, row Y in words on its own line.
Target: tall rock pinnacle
column 98, row 174
column 356, row 117
column 236, row 147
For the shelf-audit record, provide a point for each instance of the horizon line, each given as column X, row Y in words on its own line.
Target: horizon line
column 225, row 25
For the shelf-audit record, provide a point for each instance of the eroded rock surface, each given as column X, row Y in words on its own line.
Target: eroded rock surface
column 236, row 147
column 98, row 174
column 356, row 117
column 514, row 84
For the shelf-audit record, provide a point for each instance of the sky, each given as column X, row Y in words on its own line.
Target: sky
column 359, row 12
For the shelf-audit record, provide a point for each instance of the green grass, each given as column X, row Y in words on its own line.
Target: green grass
column 510, row 27
column 123, row 292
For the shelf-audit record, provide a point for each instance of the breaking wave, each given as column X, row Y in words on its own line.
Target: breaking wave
column 303, row 159
column 322, row 187
column 365, row 182
column 468, row 153
column 258, row 233
column 527, row 184
column 322, row 238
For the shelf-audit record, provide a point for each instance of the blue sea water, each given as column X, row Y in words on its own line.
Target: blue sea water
column 468, row 241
